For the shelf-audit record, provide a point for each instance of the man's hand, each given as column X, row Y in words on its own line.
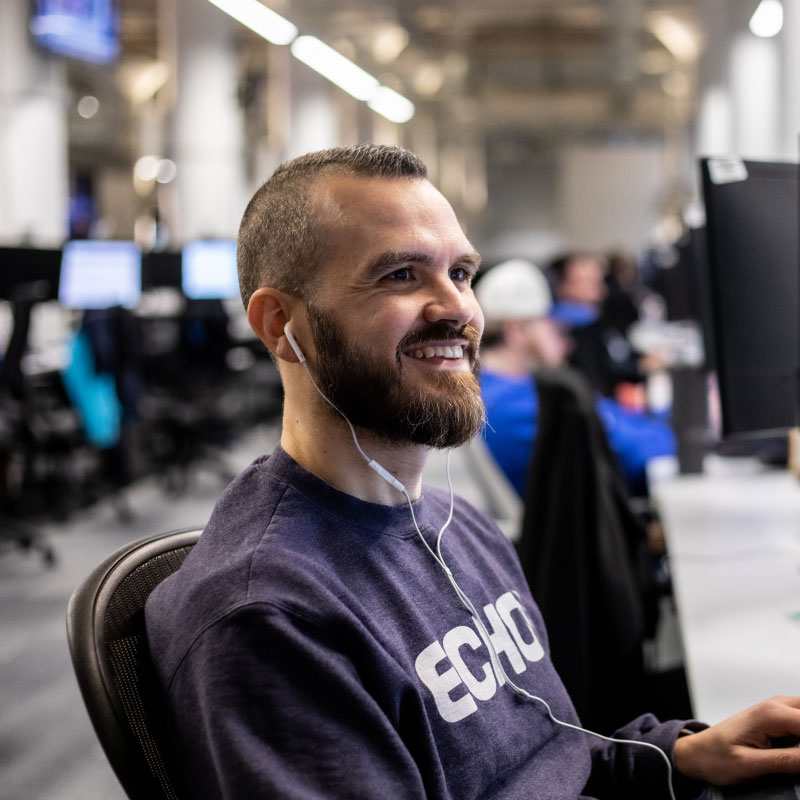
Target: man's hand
column 744, row 746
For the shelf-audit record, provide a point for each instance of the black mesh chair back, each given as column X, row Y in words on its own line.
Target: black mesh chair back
column 584, row 553
column 106, row 634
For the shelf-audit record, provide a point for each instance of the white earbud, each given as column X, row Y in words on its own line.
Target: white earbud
column 293, row 343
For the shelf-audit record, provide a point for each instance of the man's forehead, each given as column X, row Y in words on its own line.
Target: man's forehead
column 379, row 212
column 339, row 193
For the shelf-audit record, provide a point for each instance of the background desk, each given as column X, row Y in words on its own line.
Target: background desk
column 734, row 544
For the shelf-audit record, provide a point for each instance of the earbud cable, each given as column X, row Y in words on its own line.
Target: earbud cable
column 499, row 669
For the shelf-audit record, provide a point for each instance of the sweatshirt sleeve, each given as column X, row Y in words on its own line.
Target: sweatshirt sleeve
column 636, row 771
column 266, row 704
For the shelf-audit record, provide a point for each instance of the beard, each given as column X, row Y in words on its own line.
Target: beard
column 446, row 411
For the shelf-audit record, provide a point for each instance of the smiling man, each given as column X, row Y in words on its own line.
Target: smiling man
column 325, row 638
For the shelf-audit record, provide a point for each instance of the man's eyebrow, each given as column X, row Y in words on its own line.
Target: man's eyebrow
column 392, row 258
column 471, row 258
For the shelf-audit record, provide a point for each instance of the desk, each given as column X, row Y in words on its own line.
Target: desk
column 733, row 539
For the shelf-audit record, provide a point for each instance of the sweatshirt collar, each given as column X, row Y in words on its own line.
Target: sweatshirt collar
column 352, row 510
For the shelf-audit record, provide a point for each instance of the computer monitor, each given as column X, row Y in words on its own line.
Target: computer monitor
column 100, row 274
column 209, row 269
column 752, row 213
column 686, row 289
column 29, row 271
column 85, row 31
column 161, row 270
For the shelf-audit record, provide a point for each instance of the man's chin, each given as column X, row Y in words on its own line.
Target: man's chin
column 451, row 379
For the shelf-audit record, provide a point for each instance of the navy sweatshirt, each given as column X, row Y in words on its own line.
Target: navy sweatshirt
column 311, row 647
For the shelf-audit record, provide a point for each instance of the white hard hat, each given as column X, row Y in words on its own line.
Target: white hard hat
column 515, row 289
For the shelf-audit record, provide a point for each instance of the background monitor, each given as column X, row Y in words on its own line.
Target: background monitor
column 686, row 289
column 161, row 269
column 88, row 31
column 752, row 213
column 209, row 269
column 26, row 271
column 100, row 274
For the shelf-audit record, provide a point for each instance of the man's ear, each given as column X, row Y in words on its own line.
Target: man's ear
column 268, row 312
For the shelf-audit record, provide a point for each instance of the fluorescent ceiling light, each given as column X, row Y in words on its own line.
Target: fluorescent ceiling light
column 334, row 66
column 141, row 79
column 767, row 19
column 678, row 37
column 264, row 21
column 388, row 103
column 389, row 42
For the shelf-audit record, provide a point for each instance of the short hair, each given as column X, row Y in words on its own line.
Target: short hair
column 280, row 240
column 560, row 265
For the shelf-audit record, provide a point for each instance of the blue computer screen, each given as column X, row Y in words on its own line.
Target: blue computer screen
column 87, row 30
column 100, row 274
column 208, row 269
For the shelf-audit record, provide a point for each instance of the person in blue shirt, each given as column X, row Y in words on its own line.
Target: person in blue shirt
column 521, row 336
column 600, row 347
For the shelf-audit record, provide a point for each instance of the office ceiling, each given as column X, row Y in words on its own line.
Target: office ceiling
column 541, row 66
column 481, row 71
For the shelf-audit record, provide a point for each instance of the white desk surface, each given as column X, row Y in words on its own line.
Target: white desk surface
column 733, row 538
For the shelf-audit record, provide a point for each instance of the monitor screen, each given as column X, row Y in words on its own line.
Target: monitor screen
column 685, row 286
column 752, row 227
column 100, row 274
column 88, row 31
column 29, row 272
column 161, row 269
column 209, row 269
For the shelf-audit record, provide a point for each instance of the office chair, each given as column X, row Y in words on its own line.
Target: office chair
column 106, row 635
column 584, row 553
column 17, row 438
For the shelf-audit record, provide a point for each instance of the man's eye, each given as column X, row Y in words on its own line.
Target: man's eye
column 460, row 274
column 402, row 274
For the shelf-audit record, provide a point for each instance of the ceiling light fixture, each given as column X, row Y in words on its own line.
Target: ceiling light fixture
column 260, row 19
column 681, row 39
column 388, row 103
column 767, row 19
column 88, row 106
column 349, row 76
column 334, row 66
column 320, row 57
column 140, row 79
column 389, row 42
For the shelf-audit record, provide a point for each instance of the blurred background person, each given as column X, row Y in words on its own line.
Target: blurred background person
column 595, row 315
column 520, row 337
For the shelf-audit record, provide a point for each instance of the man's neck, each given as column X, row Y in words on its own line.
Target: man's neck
column 325, row 447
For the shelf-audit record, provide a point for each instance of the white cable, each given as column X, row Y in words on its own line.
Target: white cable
column 467, row 603
column 494, row 655
column 350, row 424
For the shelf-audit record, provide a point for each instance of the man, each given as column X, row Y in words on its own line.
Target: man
column 519, row 338
column 311, row 645
column 599, row 349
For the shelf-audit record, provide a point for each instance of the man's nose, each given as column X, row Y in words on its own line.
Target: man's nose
column 451, row 303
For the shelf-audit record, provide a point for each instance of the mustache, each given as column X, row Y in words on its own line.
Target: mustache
column 441, row 331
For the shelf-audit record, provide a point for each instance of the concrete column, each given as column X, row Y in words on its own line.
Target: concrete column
column 313, row 121
column 33, row 136
column 749, row 98
column 755, row 81
column 206, row 131
column 790, row 148
column 714, row 129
